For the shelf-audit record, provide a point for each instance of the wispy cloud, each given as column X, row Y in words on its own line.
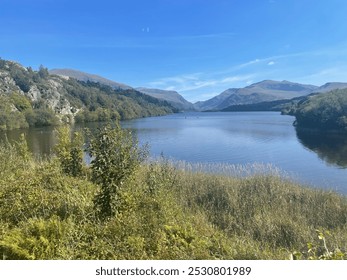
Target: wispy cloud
column 290, row 66
column 332, row 74
column 200, row 86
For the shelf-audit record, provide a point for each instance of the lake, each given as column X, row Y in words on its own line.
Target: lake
column 237, row 138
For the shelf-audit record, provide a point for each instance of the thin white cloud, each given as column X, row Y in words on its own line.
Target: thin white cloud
column 197, row 81
column 199, row 86
column 333, row 74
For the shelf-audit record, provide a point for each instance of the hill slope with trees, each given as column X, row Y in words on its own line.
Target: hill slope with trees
column 37, row 98
column 324, row 111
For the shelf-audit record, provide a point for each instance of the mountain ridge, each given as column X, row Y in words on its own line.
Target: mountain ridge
column 84, row 76
column 171, row 96
column 266, row 90
column 262, row 92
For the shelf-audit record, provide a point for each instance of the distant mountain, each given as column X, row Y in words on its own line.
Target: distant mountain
column 84, row 77
column 172, row 97
column 331, row 86
column 214, row 102
column 259, row 92
column 286, row 106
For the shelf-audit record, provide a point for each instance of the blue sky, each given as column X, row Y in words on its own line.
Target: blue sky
column 197, row 47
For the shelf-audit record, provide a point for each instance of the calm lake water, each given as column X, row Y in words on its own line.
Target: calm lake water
column 241, row 138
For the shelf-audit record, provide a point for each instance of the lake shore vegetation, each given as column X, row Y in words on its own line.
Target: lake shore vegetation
column 322, row 112
column 122, row 207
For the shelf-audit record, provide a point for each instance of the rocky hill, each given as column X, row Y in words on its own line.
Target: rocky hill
column 37, row 98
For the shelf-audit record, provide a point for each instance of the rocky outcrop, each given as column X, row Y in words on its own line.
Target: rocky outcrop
column 50, row 90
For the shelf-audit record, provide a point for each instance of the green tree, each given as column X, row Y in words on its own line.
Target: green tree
column 43, row 72
column 23, row 149
column 115, row 157
column 69, row 151
column 21, row 102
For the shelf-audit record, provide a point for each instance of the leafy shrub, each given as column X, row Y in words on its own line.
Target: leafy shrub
column 69, row 151
column 115, row 156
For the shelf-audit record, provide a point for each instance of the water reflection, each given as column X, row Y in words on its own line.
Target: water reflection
column 227, row 138
column 40, row 140
column 332, row 148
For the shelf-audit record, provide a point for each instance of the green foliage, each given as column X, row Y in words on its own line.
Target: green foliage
column 36, row 239
column 10, row 117
column 23, row 149
column 69, row 151
column 21, row 102
column 320, row 250
column 116, row 156
column 102, row 103
column 16, row 112
column 157, row 210
column 325, row 111
column 43, row 117
column 21, row 78
column 43, row 72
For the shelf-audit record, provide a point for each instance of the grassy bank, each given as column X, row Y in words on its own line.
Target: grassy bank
column 163, row 212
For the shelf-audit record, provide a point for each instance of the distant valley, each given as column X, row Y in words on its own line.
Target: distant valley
column 267, row 95
column 48, row 97
column 173, row 97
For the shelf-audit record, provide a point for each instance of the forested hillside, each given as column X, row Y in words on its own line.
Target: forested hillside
column 325, row 111
column 36, row 98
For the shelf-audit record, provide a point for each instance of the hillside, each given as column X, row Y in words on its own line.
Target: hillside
column 173, row 97
column 259, row 92
column 85, row 77
column 284, row 105
column 37, row 98
column 331, row 86
column 324, row 111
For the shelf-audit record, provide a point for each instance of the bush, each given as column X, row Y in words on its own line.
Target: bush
column 115, row 157
column 69, row 151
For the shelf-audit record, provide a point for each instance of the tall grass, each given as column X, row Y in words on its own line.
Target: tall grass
column 167, row 210
column 261, row 204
